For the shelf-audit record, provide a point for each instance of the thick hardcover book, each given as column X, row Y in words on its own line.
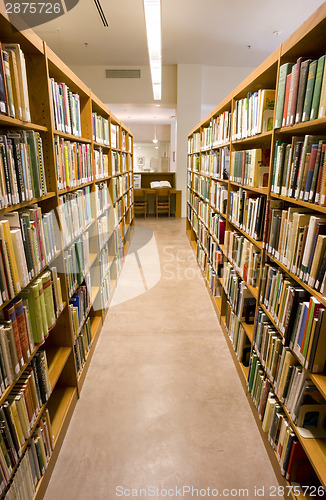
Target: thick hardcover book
column 309, row 91
column 21, row 67
column 304, row 69
column 316, row 361
column 317, row 88
column 285, row 69
column 9, row 314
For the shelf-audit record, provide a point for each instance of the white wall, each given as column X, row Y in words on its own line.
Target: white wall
column 218, row 82
column 189, row 95
column 148, row 151
column 129, row 90
column 145, row 132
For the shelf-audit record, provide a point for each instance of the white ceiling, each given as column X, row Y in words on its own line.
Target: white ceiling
column 208, row 32
column 212, row 32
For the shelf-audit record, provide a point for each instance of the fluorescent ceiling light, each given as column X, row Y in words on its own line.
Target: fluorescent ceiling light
column 152, row 10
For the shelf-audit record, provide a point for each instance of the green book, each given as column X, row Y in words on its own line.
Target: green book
column 285, row 69
column 48, row 298
column 309, row 91
column 31, row 295
column 33, row 149
column 39, row 285
column 317, row 88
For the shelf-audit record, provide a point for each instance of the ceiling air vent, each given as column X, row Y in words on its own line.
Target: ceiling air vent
column 123, row 73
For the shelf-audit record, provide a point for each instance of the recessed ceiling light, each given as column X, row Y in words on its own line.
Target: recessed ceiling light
column 152, row 10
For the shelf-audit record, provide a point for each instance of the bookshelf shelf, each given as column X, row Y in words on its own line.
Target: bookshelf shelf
column 59, row 406
column 312, row 291
column 71, row 137
column 274, row 223
column 57, row 358
column 100, row 145
column 301, row 203
column 251, row 188
column 258, row 244
column 254, row 139
column 74, row 188
column 309, row 127
column 38, row 174
column 14, row 122
column 24, row 204
column 96, row 326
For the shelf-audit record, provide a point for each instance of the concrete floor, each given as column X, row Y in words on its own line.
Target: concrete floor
column 162, row 405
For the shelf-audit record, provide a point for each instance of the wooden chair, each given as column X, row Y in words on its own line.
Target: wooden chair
column 162, row 201
column 140, row 201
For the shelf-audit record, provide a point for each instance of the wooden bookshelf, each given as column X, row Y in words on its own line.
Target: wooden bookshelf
column 42, row 64
column 309, row 42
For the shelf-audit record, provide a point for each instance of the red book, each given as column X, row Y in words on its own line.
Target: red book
column 9, row 313
column 22, row 329
column 286, row 99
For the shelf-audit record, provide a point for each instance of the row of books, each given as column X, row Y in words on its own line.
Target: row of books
column 238, row 294
column 22, row 175
column 66, row 109
column 106, row 291
column 298, row 317
column 33, row 463
column 104, row 262
column 115, row 136
column 75, row 213
column 293, row 461
column 301, row 94
column 101, row 164
column 216, row 134
column 194, row 162
column 20, row 411
column 116, row 162
column 14, row 98
column 43, row 301
column 73, row 163
column 247, row 211
column 83, row 344
column 201, row 185
column 102, row 198
column 206, row 137
column 104, row 229
column 27, row 244
column 77, row 263
column 250, row 167
column 213, row 281
column 221, row 126
column 121, row 207
column 253, row 114
column 296, row 238
column 76, row 259
column 100, row 129
column 217, row 225
column 126, row 163
column 215, row 256
column 218, row 196
column 299, row 169
column 238, row 336
column 202, row 209
column 79, row 306
column 119, row 186
column 244, row 256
